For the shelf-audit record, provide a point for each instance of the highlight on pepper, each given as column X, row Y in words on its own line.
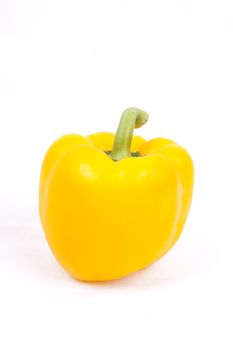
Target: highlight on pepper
column 112, row 204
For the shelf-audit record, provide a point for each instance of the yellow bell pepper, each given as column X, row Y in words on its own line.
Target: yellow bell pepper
column 113, row 204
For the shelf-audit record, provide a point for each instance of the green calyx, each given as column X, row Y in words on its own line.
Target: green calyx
column 131, row 118
column 133, row 154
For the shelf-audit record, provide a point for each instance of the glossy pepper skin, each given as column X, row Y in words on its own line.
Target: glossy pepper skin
column 105, row 219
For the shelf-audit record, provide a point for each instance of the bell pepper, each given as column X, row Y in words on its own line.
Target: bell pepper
column 113, row 204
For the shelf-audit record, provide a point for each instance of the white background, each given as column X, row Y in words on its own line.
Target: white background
column 73, row 66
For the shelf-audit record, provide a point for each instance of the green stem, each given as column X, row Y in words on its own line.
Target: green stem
column 130, row 119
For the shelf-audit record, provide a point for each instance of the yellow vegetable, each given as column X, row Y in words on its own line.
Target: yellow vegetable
column 113, row 204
